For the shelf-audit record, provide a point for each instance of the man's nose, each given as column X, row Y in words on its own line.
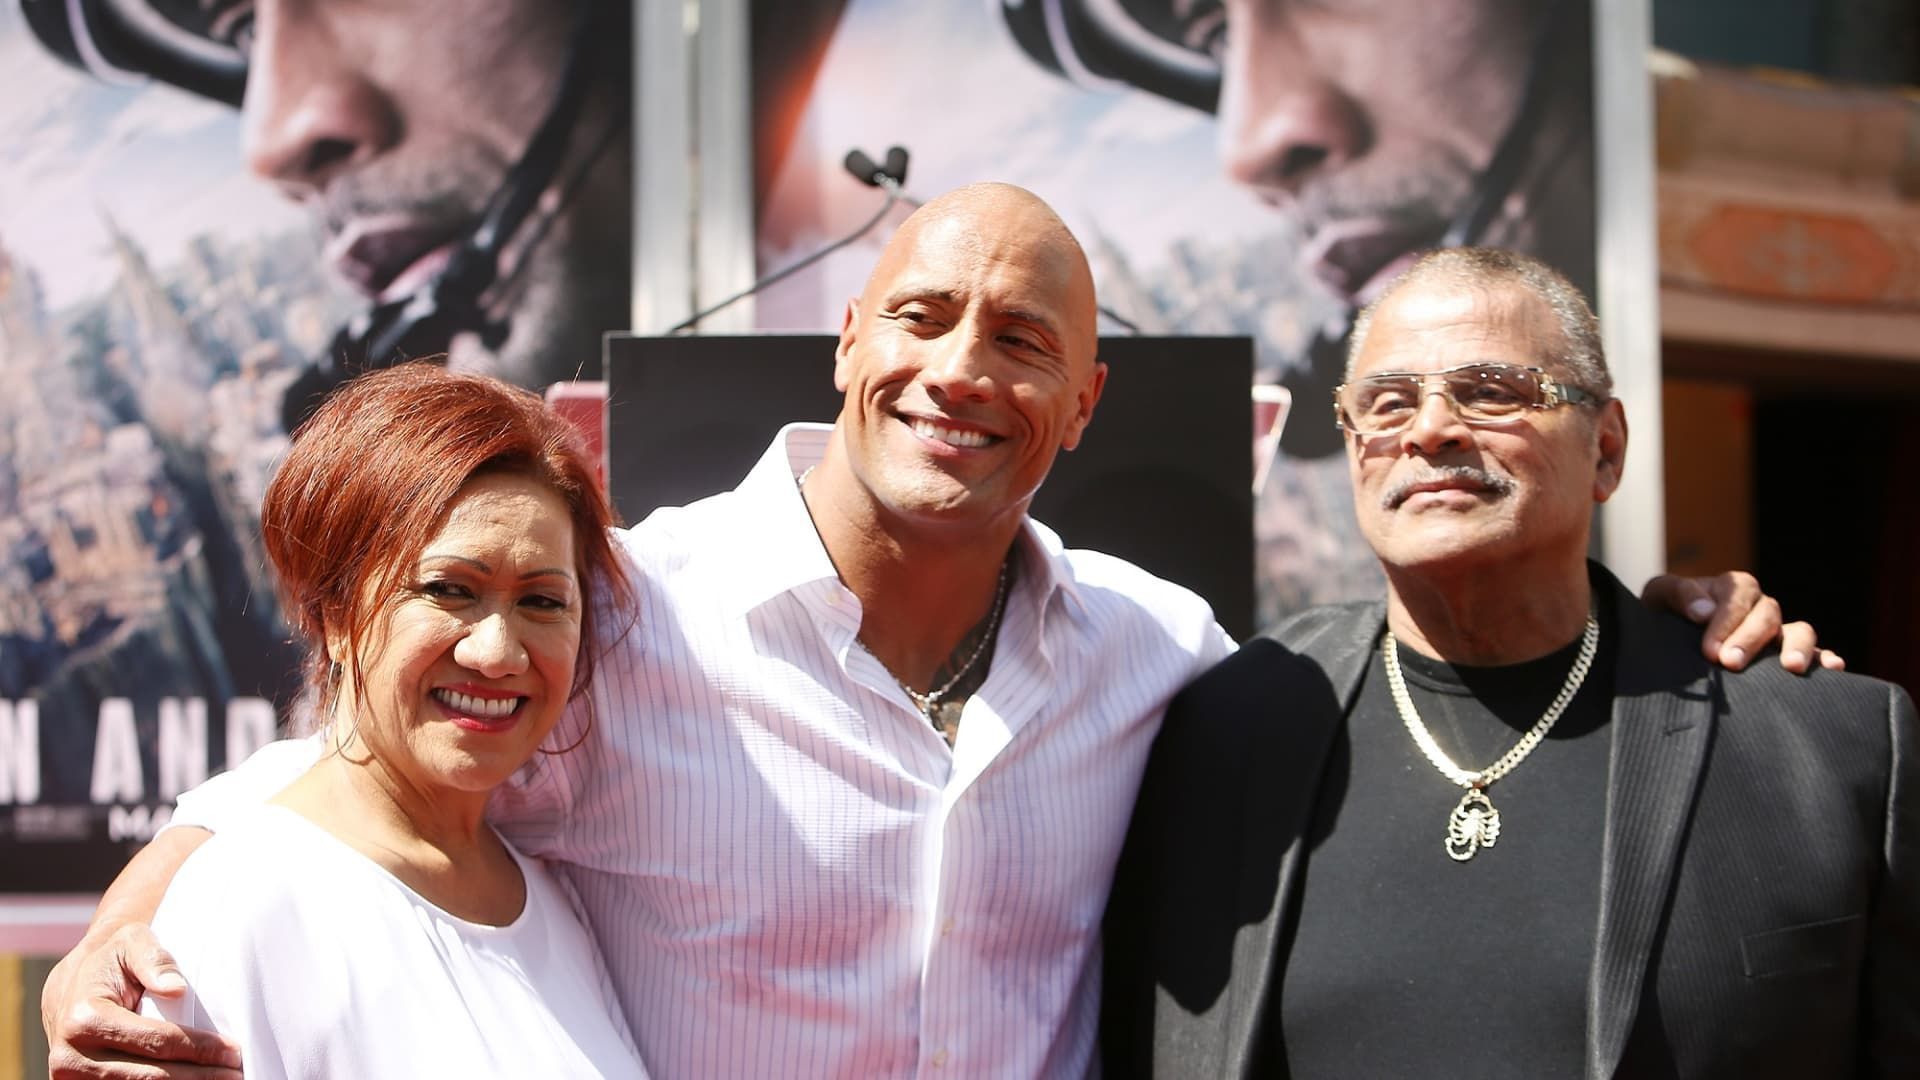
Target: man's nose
column 310, row 114
column 1436, row 423
column 961, row 369
column 1283, row 119
column 491, row 648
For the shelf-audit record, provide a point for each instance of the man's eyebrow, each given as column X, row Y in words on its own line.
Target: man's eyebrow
column 1043, row 323
column 907, row 293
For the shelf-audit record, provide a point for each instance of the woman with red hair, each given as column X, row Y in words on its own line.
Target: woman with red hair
column 436, row 537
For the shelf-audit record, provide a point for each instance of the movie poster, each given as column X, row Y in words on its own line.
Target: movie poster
column 180, row 268
column 1236, row 167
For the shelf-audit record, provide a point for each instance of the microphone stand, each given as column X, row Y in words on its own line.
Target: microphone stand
column 894, row 197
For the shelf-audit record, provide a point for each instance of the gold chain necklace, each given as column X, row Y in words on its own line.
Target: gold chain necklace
column 1475, row 823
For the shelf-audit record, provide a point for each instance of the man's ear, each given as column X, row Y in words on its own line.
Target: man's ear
column 1089, row 397
column 843, row 352
column 1611, row 451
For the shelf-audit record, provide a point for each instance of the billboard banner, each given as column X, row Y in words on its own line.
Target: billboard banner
column 205, row 219
column 1231, row 166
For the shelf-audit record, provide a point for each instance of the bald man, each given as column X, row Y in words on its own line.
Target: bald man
column 847, row 799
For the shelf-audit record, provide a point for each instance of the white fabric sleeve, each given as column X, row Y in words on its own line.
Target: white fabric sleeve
column 239, row 790
column 230, row 932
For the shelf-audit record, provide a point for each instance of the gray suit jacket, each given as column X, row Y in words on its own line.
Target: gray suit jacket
column 1760, row 876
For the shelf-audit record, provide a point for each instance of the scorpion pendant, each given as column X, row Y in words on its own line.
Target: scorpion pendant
column 1474, row 824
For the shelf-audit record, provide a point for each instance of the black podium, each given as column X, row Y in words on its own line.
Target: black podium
column 1162, row 479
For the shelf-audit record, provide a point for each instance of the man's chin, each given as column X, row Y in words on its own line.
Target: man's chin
column 935, row 498
column 1437, row 537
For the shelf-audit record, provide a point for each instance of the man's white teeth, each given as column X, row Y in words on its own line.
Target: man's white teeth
column 481, row 708
column 927, row 429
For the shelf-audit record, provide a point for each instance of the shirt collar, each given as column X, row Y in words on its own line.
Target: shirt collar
column 781, row 551
column 1044, row 559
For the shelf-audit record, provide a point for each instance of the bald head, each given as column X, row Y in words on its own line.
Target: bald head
column 992, row 206
column 1003, row 223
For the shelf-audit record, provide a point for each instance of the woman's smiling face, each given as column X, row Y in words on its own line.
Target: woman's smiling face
column 467, row 667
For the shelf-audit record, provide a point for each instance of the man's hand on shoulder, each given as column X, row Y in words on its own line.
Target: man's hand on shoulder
column 88, row 1003
column 92, row 1030
column 1740, row 621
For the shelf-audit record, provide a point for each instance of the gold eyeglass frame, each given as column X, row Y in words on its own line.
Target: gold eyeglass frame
column 1553, row 392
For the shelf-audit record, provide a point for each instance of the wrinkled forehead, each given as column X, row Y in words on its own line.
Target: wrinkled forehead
column 1427, row 328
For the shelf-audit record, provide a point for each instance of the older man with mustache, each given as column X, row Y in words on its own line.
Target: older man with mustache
column 1507, row 822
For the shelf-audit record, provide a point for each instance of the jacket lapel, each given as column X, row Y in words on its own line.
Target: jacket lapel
column 1339, row 642
column 1663, row 714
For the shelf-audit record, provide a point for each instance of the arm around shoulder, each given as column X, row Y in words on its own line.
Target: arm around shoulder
column 87, row 1004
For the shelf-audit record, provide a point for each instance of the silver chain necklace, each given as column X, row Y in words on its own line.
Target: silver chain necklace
column 1475, row 823
column 927, row 701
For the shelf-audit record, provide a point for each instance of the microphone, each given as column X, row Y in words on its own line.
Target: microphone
column 864, row 168
column 888, row 176
column 896, row 164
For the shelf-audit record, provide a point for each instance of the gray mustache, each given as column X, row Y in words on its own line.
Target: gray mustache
column 1450, row 474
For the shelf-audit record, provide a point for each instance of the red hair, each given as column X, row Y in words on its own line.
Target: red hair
column 371, row 476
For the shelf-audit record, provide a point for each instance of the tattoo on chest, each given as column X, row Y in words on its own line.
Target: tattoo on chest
column 944, row 714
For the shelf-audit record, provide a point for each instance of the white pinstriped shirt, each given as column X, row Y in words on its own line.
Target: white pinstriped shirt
column 789, row 872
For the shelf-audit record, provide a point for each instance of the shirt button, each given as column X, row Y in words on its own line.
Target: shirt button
column 939, row 1059
column 946, row 928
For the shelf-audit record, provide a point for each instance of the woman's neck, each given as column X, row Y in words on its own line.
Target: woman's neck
column 438, row 844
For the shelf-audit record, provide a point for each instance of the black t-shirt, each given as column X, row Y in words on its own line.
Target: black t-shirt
column 1404, row 962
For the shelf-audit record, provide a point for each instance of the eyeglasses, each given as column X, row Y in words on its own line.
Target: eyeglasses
column 1479, row 393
